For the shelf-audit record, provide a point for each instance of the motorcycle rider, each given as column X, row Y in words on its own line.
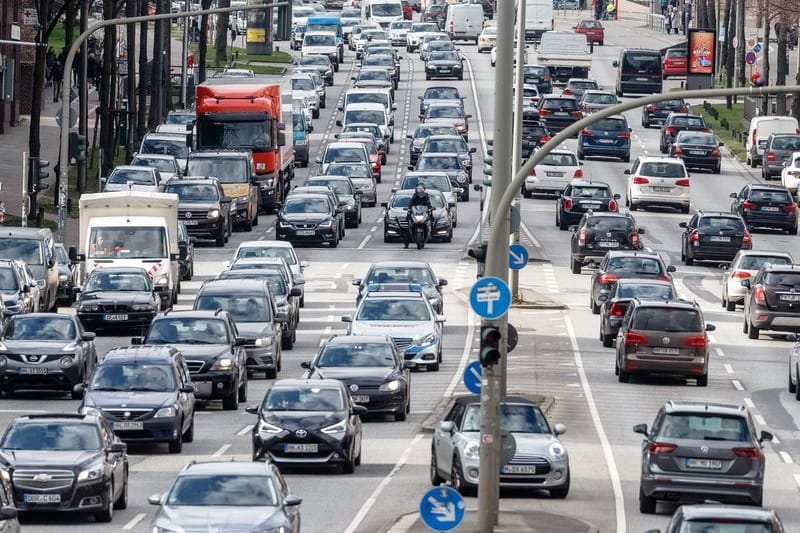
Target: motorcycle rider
column 420, row 197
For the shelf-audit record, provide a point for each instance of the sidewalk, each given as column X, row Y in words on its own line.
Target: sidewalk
column 510, row 521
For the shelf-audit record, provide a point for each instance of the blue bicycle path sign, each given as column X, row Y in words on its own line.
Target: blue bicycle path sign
column 442, row 508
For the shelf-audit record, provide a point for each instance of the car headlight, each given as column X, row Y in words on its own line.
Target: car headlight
column 557, row 451
column 427, row 340
column 166, row 412
column 214, row 213
column 241, row 200
column 391, row 386
column 226, row 363
column 142, row 307
column 349, row 207
column 162, row 279
column 264, row 341
column 338, row 427
column 65, row 362
column 325, row 223
column 63, row 277
column 266, row 427
column 265, row 185
column 472, row 450
column 92, row 473
column 284, row 224
column 89, row 308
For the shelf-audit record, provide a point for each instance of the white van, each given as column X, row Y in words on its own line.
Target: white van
column 383, row 12
column 464, row 22
column 760, row 129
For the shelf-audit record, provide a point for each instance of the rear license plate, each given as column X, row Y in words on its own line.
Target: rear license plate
column 642, row 79
column 662, row 189
column 519, row 469
column 115, row 317
column 191, row 222
column 605, row 141
column 554, row 174
column 789, row 297
column 300, row 448
column 561, row 114
column 658, row 350
column 696, row 152
column 608, row 244
column 41, row 498
column 719, row 238
column 769, row 208
column 34, row 371
column 708, row 464
column 444, row 70
column 128, row 426
column 361, row 398
column 305, row 232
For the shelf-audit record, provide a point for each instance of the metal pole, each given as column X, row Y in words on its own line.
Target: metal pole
column 516, row 157
column 25, row 199
column 83, row 95
column 739, row 57
column 184, row 56
column 64, row 135
column 497, row 265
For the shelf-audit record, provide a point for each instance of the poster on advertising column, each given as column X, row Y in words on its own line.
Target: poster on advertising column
column 701, row 51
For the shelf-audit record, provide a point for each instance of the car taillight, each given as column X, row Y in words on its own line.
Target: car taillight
column 532, row 172
column 638, row 180
column 543, row 112
column 635, row 338
column 740, row 274
column 586, row 133
column 576, row 114
column 696, row 342
column 634, row 239
column 759, row 295
column 683, row 109
column 677, row 151
column 715, row 153
column 770, row 156
column 662, row 278
column 752, row 453
column 605, row 279
column 544, row 139
column 694, row 236
column 582, row 238
column 617, row 310
column 749, row 205
column 670, row 130
column 612, row 205
column 661, row 447
column 753, row 140
column 790, row 208
column 578, row 173
column 746, row 239
column 452, row 26
column 567, row 91
column 624, row 135
column 567, row 204
column 650, row 108
column 683, row 182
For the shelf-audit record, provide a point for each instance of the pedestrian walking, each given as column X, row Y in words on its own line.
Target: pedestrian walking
column 49, row 61
column 673, row 20
column 668, row 20
column 58, row 77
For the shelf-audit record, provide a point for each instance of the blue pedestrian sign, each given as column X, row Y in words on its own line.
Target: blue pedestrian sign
column 490, row 298
column 517, row 256
column 757, row 48
column 442, row 508
column 472, row 377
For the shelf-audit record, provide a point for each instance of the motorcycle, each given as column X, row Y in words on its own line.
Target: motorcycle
column 419, row 225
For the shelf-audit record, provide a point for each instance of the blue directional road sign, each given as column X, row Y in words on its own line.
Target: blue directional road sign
column 490, row 298
column 517, row 256
column 442, row 508
column 472, row 377
column 757, row 48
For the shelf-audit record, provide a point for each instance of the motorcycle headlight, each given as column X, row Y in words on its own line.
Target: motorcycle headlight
column 264, row 341
column 557, row 451
column 142, row 307
column 266, row 427
column 223, row 364
column 63, row 277
column 472, row 450
column 93, row 411
column 461, row 177
column 92, row 473
column 349, row 207
column 338, row 427
column 390, row 386
column 214, row 213
column 166, row 412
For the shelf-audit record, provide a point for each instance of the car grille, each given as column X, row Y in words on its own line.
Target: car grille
column 195, row 366
column 35, row 479
column 32, row 359
column 304, row 226
column 112, row 307
column 196, row 214
column 127, row 414
column 402, row 343
column 542, row 464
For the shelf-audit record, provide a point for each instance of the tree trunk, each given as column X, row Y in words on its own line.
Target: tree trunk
column 765, row 71
column 711, row 8
column 34, row 144
column 156, row 81
column 221, row 42
column 166, row 63
column 700, row 14
column 143, row 74
column 202, row 49
column 107, row 85
column 729, row 55
column 781, row 67
column 70, row 20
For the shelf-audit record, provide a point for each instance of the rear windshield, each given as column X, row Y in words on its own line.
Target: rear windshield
column 667, row 319
column 320, row 40
column 755, row 262
column 704, row 427
column 696, row 138
column 677, row 52
column 583, row 84
column 688, row 122
column 442, row 93
column 790, row 280
column 590, row 192
column 725, row 525
column 610, row 124
column 714, row 224
column 600, row 98
column 663, row 170
column 634, row 265
column 363, row 115
column 560, row 160
column 646, row 291
column 564, row 104
column 786, row 143
column 761, row 195
column 602, row 224
column 643, row 63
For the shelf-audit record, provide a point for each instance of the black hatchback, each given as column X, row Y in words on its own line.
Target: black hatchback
column 658, row 112
column 767, row 206
column 677, row 122
column 713, row 236
column 579, row 197
column 597, row 233
column 558, row 112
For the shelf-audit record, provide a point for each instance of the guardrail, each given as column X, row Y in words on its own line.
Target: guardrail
column 655, row 21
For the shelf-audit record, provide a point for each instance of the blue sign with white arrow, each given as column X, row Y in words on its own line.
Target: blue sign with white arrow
column 472, row 377
column 442, row 508
column 517, row 257
column 490, row 298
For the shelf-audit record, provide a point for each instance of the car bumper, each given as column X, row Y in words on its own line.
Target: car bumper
column 319, row 236
column 774, row 320
column 77, row 497
column 383, row 402
column 548, row 474
column 735, row 292
column 640, row 197
column 444, row 73
column 687, row 366
column 771, row 220
column 701, row 162
column 53, row 378
column 599, row 149
column 153, row 430
column 330, row 451
column 214, row 385
column 611, row 326
column 261, row 357
column 532, row 183
column 700, row 489
column 92, row 321
column 301, row 152
column 202, row 228
column 423, row 356
column 65, row 291
column 714, row 253
column 640, row 87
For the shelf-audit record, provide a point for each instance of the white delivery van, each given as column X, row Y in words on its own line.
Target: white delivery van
column 760, row 129
column 538, row 19
column 382, row 12
column 464, row 22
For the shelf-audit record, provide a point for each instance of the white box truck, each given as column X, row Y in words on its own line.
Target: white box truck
column 565, row 54
column 538, row 19
column 131, row 229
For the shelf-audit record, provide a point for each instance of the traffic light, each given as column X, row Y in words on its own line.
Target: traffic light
column 39, row 173
column 77, row 147
column 490, row 345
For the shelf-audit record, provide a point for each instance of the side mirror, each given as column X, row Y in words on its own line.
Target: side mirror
column 682, row 225
column 318, row 160
column 339, row 108
column 559, row 429
column 251, row 409
column 409, row 136
column 357, row 281
column 154, row 499
column 292, row 501
column 617, row 196
column 441, row 319
column 306, row 365
column 118, row 447
column 295, row 292
column 79, row 388
column 88, row 336
column 304, row 264
column 603, row 296
column 640, row 428
column 711, row 327
column 188, row 389
column 239, row 341
column 473, row 150
column 281, row 318
column 447, row 426
column 410, row 167
column 73, row 254
column 359, row 410
column 746, row 283
column 732, row 195
column 136, row 341
column 627, row 171
column 766, row 436
column 615, row 64
column 347, row 318
column 724, row 266
column 467, row 117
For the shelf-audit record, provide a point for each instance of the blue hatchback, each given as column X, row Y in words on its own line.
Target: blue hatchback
column 610, row 137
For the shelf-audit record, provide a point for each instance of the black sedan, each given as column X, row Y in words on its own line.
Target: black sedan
column 308, row 218
column 617, row 299
column 118, row 298
column 676, row 123
column 370, row 366
column 395, row 223
column 698, row 149
column 581, row 196
column 767, row 206
column 347, row 195
column 45, row 351
column 444, row 64
column 658, row 112
column 308, row 422
column 86, row 465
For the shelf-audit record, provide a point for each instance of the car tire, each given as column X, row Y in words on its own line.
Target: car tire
column 436, row 479
column 176, row 446
column 752, row 331
column 526, row 193
column 796, row 390
column 122, row 502
column 594, row 307
column 730, row 306
column 576, row 266
column 793, row 230
column 242, row 392
column 581, row 155
column 702, row 381
column 349, row 466
column 335, row 242
column 271, row 373
column 457, row 478
column 188, row 435
column 107, row 514
column 401, row 415
column 647, row 505
column 287, row 343
column 561, row 491
column 433, row 368
column 231, row 403
column 608, row 340
column 626, row 158
column 623, row 375
column 315, row 113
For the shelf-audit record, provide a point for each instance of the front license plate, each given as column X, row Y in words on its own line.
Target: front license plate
column 662, row 189
column 443, row 70
column 128, row 426
column 608, row 244
column 769, row 208
column 665, row 351
column 719, row 238
column 41, row 498
column 191, row 222
column 305, row 232
column 708, row 464
column 519, row 469
column 33, row 371
column 361, row 398
column 789, row 297
column 300, row 448
column 115, row 317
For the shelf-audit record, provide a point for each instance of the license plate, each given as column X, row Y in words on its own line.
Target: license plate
column 708, row 464
column 115, row 317
column 666, row 351
column 561, row 113
column 41, row 498
column 772, row 209
column 662, row 189
column 696, row 152
column 34, row 371
column 605, row 141
column 191, row 222
column 306, row 232
column 128, row 426
column 608, row 244
column 444, row 70
column 554, row 174
column 519, row 469
column 719, row 238
column 361, row 398
column 642, row 79
column 300, row 448
column 789, row 297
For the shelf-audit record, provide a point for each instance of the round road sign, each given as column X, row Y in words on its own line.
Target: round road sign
column 735, row 42
column 750, row 58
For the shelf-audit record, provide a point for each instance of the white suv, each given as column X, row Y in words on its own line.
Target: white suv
column 660, row 181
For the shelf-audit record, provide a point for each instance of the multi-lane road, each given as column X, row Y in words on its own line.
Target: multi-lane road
column 561, row 346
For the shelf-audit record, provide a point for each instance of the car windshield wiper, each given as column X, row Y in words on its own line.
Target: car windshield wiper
column 194, row 341
column 107, row 389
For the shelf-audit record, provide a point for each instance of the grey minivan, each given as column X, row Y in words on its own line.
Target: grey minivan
column 34, row 246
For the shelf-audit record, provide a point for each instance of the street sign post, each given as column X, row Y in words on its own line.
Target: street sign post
column 517, row 256
column 442, row 508
column 472, row 377
column 490, row 298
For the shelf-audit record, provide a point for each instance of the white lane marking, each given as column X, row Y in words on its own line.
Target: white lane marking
column 797, row 479
column 737, row 384
column 245, row 430
column 364, row 242
column 749, row 403
column 135, row 520
column 222, row 449
column 374, row 229
column 529, row 235
column 719, row 352
column 729, row 369
column 616, row 484
column 785, row 457
column 760, row 420
column 22, row 411
column 775, row 439
column 362, row 513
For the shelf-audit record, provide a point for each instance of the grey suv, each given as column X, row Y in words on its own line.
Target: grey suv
column 203, row 207
column 696, row 451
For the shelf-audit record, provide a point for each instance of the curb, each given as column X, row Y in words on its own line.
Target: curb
column 532, row 300
column 545, row 403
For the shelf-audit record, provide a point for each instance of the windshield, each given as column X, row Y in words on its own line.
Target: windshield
column 645, row 291
column 171, row 330
column 227, row 134
column 59, row 436
column 667, row 319
column 641, row 63
column 441, row 93
column 789, row 280
column 400, row 25
column 662, row 170
column 36, row 328
column 283, row 252
column 401, row 310
column 339, row 186
column 372, row 75
column 361, row 355
column 306, row 205
column 401, row 275
column 225, row 169
column 444, row 55
column 193, row 192
column 716, row 224
column 130, row 243
column 438, row 163
column 446, row 145
column 242, row 308
column 368, row 128
column 699, row 426
column 277, row 285
column 687, row 122
column 692, row 137
column 590, row 192
column 425, row 131
column 513, row 419
column 27, row 250
column 135, row 376
column 724, row 525
column 445, row 112
column 137, row 177
column 61, row 256
column 346, row 169
column 116, row 281
column 180, row 118
column 440, row 183
column 223, row 490
column 177, row 147
column 163, row 165
column 370, row 116
column 600, row 98
column 319, row 40
column 391, row 9
column 304, row 399
column 582, row 84
column 367, row 98
column 610, row 124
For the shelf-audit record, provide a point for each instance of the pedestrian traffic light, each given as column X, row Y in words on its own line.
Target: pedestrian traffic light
column 77, row 148
column 490, row 345
column 39, row 173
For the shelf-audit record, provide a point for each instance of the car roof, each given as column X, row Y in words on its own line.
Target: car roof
column 768, row 187
column 218, row 314
column 344, row 144
column 120, row 270
column 266, row 244
column 562, row 151
column 166, row 136
column 58, row 417
column 468, row 399
column 661, row 159
column 764, row 253
column 781, row 268
column 146, row 353
column 359, row 339
column 219, row 153
column 331, row 177
column 632, row 253
column 584, row 183
column 250, row 468
column 308, row 383
column 402, row 264
column 703, row 407
column 139, row 168
column 445, row 137
column 227, row 286
column 152, row 156
column 695, row 512
column 672, row 304
column 261, row 260
column 193, row 180
column 644, row 281
column 609, row 214
column 717, row 214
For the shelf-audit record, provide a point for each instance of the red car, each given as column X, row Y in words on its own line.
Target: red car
column 408, row 11
column 594, row 31
column 674, row 63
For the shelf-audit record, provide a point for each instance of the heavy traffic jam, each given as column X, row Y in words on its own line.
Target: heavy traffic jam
column 198, row 286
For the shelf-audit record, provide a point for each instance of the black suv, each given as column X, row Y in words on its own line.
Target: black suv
column 778, row 152
column 558, row 112
column 145, row 393
column 713, row 236
column 598, row 233
column 622, row 264
column 677, row 122
column 582, row 196
column 202, row 207
column 659, row 111
column 768, row 206
column 213, row 351
column 538, row 75
column 617, row 299
column 66, row 462
column 773, row 300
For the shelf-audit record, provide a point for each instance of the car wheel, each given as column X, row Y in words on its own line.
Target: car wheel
column 561, row 491
column 647, row 505
column 188, row 436
column 576, row 266
column 581, row 155
column 702, row 381
column 231, row 403
column 457, row 478
column 752, row 331
column 287, row 343
column 271, row 373
column 793, row 230
column 243, row 391
column 176, row 446
column 595, row 308
column 436, row 479
column 792, row 386
column 608, row 340
column 107, row 514
column 796, row 390
column 401, row 415
column 730, row 306
column 122, row 501
column 349, row 466
column 623, row 375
